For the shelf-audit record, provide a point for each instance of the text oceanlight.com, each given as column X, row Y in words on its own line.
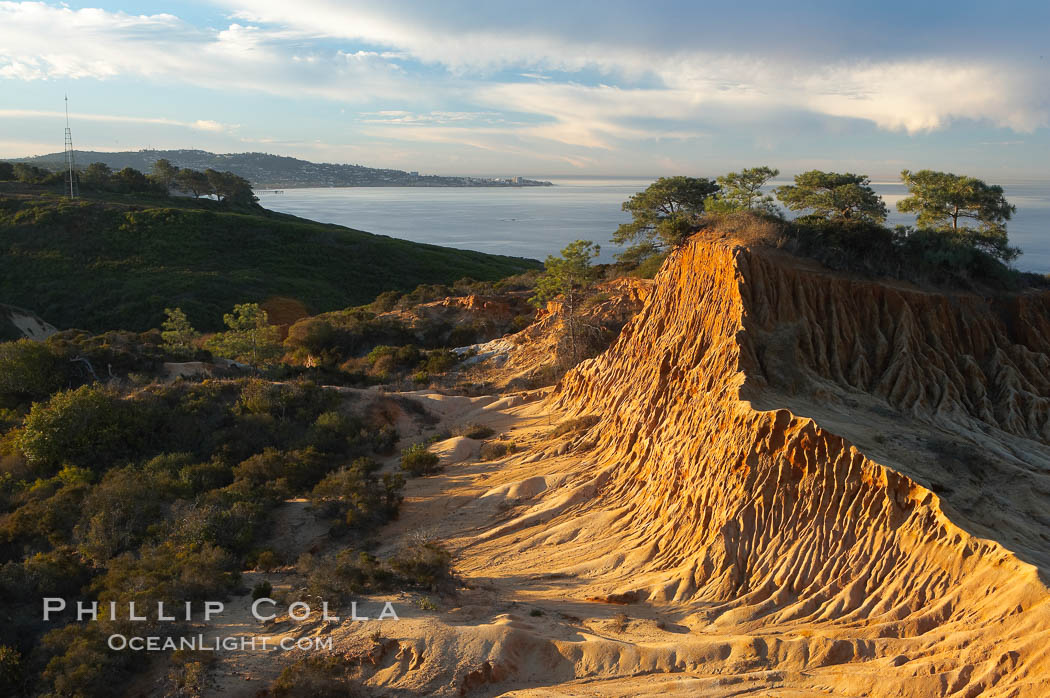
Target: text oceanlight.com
column 155, row 643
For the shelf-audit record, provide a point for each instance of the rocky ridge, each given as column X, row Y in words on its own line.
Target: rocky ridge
column 767, row 521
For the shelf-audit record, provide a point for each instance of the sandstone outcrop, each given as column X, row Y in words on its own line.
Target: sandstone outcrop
column 777, row 481
column 851, row 474
column 529, row 357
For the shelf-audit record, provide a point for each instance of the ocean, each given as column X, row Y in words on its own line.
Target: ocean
column 538, row 221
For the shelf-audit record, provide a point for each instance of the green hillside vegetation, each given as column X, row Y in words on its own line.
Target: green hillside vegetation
column 164, row 493
column 114, row 259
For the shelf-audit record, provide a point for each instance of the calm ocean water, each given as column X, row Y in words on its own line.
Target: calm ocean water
column 537, row 221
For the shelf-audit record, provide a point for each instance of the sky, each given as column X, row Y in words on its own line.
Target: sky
column 542, row 88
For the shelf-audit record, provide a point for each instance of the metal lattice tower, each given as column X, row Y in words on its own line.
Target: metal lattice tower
column 71, row 165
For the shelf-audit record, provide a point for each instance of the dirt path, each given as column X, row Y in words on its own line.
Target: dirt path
column 443, row 507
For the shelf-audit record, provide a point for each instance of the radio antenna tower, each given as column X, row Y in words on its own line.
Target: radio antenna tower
column 71, row 165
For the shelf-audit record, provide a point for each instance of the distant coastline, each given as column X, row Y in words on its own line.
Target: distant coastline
column 270, row 172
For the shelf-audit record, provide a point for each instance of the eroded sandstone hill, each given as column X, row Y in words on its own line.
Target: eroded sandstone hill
column 854, row 476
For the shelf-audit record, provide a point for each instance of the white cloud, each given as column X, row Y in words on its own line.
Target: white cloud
column 400, row 116
column 675, row 90
column 208, row 125
column 91, row 43
column 200, row 124
column 916, row 93
column 926, row 95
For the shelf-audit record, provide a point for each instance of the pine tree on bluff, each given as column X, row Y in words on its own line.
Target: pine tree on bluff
column 742, row 191
column 834, row 196
column 665, row 214
column 946, row 202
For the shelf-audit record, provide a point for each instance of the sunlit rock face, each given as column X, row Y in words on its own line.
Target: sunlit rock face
column 839, row 479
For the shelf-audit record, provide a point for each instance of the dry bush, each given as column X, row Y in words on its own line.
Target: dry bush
column 580, row 339
column 473, row 430
column 494, row 450
column 571, row 426
column 318, row 677
column 427, row 565
column 748, row 228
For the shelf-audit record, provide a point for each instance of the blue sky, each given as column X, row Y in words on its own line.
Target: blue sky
column 495, row 87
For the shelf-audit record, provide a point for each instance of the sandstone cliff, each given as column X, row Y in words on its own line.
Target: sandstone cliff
column 770, row 443
column 533, row 356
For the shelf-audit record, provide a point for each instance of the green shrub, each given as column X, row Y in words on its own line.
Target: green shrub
column 262, row 467
column 380, row 352
column 189, row 672
column 386, row 301
column 440, row 360
column 299, row 400
column 223, row 518
column 88, row 427
column 169, row 572
column 262, row 590
column 408, row 355
column 339, row 577
column 87, row 356
column 201, row 477
column 81, row 664
column 29, row 371
column 59, row 572
column 117, row 513
column 417, row 460
column 592, row 300
column 424, row 565
column 384, row 440
column 649, row 267
column 316, row 336
column 356, row 498
column 165, row 472
column 921, row 255
column 295, row 470
column 48, row 516
column 333, row 432
column 12, row 672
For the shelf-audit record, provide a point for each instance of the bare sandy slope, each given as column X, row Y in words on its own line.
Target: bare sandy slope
column 797, row 485
column 19, row 322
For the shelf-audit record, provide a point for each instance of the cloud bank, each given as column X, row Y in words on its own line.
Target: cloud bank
column 584, row 77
